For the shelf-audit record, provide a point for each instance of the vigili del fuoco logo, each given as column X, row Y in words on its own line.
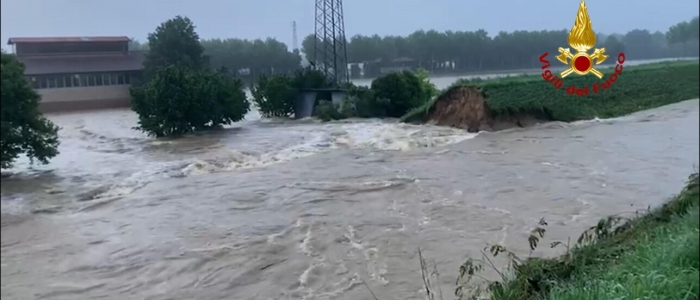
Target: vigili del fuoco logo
column 582, row 39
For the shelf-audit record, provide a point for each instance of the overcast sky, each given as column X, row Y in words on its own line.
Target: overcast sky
column 252, row 19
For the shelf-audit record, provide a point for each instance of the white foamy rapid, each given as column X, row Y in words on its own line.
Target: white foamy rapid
column 374, row 135
column 119, row 160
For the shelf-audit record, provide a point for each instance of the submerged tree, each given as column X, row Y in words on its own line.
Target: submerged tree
column 179, row 101
column 175, row 42
column 23, row 129
column 180, row 93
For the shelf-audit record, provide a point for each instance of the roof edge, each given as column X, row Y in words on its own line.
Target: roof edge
column 69, row 39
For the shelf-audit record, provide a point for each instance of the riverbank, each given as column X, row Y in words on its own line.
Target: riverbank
column 519, row 101
column 654, row 256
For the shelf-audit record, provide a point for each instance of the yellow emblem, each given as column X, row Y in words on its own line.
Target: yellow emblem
column 582, row 38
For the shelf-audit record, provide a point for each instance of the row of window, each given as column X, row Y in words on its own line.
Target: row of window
column 79, row 80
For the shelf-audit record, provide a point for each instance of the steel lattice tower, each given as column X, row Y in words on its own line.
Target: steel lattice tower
column 295, row 43
column 330, row 53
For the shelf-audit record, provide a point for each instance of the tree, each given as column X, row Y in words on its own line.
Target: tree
column 174, row 42
column 251, row 59
column 274, row 96
column 404, row 90
column 684, row 34
column 179, row 101
column 135, row 45
column 23, row 129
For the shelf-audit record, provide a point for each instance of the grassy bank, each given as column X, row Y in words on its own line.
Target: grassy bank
column 655, row 256
column 637, row 88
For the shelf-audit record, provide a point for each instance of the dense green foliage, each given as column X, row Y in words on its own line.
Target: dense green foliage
column 365, row 103
column 404, row 90
column 180, row 94
column 427, row 86
column 251, row 59
column 274, row 96
column 466, row 51
column 23, row 129
column 637, row 88
column 391, row 95
column 309, row 78
column 654, row 256
column 178, row 101
column 326, row 111
column 174, row 42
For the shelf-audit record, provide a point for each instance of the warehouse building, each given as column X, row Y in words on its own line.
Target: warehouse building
column 79, row 73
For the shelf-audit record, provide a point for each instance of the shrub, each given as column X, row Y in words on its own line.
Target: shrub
column 274, row 96
column 308, row 78
column 179, row 100
column 23, row 129
column 326, row 111
column 404, row 91
column 428, row 87
column 362, row 102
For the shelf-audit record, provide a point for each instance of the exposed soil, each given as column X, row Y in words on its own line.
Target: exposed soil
column 465, row 107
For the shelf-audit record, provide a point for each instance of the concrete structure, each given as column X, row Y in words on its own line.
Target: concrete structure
column 78, row 73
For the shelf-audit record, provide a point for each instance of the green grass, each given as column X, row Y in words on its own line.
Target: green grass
column 663, row 265
column 654, row 256
column 637, row 88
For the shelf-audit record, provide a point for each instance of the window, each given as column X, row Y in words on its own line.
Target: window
column 106, row 79
column 50, row 82
column 91, row 80
column 34, row 82
column 78, row 80
column 59, row 81
column 68, row 81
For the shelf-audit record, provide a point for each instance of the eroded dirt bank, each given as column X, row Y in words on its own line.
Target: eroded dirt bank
column 465, row 107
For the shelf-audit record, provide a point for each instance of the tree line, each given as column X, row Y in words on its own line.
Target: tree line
column 443, row 52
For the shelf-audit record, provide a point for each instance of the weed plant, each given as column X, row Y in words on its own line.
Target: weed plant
column 652, row 256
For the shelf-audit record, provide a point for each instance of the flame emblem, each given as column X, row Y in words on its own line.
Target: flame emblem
column 582, row 38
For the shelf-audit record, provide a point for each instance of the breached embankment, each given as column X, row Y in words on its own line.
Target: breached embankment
column 465, row 107
column 521, row 101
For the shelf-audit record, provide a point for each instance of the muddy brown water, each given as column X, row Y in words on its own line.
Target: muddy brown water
column 271, row 209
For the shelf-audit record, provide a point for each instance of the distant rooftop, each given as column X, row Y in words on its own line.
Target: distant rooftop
column 15, row 40
column 132, row 61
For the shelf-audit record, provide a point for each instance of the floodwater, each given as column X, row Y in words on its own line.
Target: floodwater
column 273, row 209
